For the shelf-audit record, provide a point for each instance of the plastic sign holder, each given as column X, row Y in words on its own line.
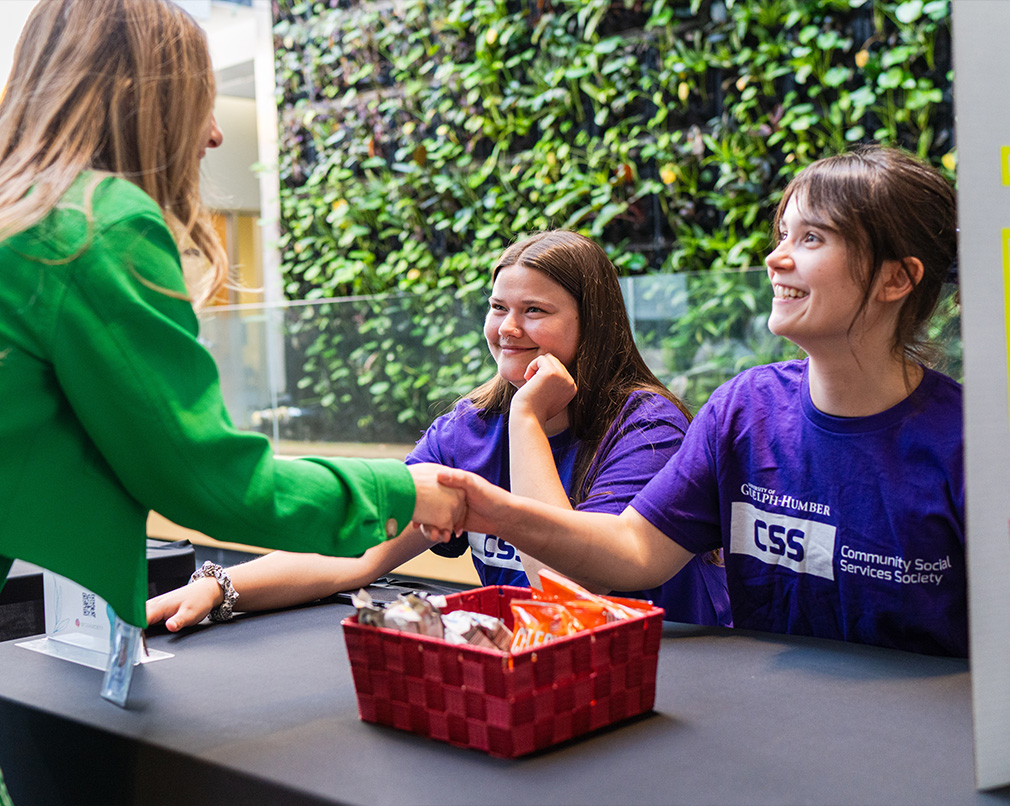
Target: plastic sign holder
column 82, row 628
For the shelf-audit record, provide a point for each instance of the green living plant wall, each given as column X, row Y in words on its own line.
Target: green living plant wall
column 420, row 138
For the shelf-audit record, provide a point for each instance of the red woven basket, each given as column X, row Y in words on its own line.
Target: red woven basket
column 505, row 705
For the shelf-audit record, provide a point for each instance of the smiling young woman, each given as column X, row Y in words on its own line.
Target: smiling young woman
column 529, row 315
column 823, row 479
column 573, row 418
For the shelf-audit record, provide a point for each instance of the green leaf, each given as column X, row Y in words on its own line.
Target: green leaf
column 909, row 11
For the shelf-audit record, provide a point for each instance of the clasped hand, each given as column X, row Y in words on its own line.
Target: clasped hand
column 548, row 390
column 439, row 510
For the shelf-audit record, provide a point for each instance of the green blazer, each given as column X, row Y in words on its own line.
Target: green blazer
column 110, row 407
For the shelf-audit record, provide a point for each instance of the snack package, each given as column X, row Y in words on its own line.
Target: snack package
column 413, row 612
column 635, row 607
column 369, row 613
column 561, row 608
column 477, row 629
column 422, row 614
column 558, row 588
column 537, row 622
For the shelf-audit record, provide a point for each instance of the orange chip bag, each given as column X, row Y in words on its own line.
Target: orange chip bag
column 558, row 588
column 636, row 606
column 563, row 607
column 585, row 611
column 537, row 622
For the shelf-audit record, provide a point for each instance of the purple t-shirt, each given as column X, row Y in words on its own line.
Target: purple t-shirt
column 846, row 528
column 646, row 433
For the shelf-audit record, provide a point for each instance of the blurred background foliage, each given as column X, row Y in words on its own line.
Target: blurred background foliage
column 420, row 137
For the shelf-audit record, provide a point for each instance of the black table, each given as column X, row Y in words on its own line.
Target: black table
column 263, row 710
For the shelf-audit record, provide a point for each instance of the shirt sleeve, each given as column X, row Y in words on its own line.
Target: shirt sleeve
column 682, row 500
column 431, row 447
column 127, row 357
column 643, row 438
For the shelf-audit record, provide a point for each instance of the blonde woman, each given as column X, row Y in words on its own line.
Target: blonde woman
column 111, row 407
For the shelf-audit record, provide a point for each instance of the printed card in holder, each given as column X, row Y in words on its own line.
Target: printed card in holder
column 81, row 627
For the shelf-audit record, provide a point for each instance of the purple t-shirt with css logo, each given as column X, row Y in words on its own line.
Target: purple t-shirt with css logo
column 846, row 528
column 646, row 433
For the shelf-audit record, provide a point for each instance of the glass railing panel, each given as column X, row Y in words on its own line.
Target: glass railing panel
column 379, row 369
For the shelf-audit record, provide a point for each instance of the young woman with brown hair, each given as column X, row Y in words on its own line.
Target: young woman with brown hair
column 834, row 484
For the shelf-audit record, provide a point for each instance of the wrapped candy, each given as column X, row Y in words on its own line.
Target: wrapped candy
column 413, row 612
column 421, row 614
column 477, row 629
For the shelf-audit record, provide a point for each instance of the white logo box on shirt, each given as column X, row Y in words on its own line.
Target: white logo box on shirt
column 804, row 546
column 494, row 551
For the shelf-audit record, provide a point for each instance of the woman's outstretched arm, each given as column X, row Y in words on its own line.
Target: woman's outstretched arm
column 283, row 579
column 615, row 552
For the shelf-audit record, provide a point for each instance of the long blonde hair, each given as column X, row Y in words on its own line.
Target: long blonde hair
column 123, row 86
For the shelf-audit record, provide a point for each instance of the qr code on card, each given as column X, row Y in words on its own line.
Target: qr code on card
column 88, row 604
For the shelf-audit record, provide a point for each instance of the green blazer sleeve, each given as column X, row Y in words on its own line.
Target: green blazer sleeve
column 120, row 412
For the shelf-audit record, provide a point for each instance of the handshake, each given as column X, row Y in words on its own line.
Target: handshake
column 450, row 501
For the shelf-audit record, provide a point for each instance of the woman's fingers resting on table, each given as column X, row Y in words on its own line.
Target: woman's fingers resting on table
column 185, row 606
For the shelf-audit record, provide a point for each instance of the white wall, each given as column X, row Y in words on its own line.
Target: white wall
column 228, row 179
column 983, row 172
column 13, row 14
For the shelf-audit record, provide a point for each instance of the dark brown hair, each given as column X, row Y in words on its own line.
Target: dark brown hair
column 607, row 366
column 887, row 205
